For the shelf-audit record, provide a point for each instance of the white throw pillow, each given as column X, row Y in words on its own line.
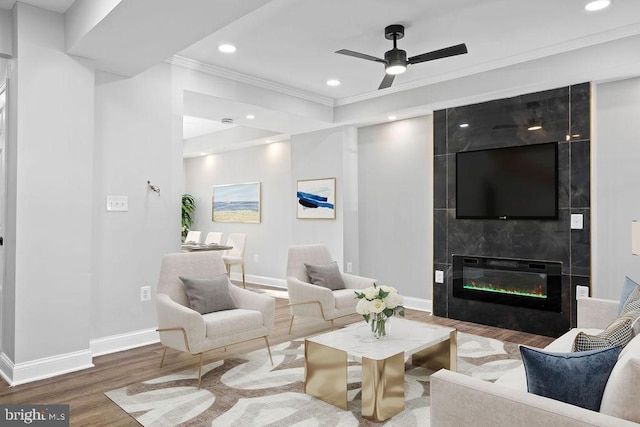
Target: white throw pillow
column 622, row 394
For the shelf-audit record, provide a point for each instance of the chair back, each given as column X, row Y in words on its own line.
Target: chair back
column 213, row 237
column 309, row 254
column 195, row 265
column 237, row 240
column 193, row 237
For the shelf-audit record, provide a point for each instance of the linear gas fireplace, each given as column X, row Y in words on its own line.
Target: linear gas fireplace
column 518, row 283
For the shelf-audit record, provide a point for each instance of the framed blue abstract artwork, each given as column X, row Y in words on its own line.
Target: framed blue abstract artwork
column 316, row 198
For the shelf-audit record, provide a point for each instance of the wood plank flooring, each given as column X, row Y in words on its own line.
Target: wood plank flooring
column 84, row 390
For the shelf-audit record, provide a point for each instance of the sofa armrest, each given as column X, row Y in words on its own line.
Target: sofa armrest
column 252, row 301
column 460, row 400
column 356, row 282
column 174, row 316
column 596, row 313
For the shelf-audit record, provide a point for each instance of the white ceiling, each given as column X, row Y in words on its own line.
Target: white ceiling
column 287, row 47
column 59, row 6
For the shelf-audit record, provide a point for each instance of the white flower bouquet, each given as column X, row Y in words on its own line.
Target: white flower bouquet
column 377, row 304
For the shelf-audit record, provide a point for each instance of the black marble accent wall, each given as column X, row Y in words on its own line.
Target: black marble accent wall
column 565, row 115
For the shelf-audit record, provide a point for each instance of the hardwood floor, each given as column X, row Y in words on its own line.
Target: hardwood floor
column 84, row 390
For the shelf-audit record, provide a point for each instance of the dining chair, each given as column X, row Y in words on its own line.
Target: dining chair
column 213, row 237
column 235, row 256
column 193, row 237
column 191, row 289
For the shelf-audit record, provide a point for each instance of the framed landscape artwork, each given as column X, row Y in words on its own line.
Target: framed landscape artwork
column 236, row 203
column 316, row 198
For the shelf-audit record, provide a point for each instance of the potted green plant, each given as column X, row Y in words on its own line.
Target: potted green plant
column 188, row 207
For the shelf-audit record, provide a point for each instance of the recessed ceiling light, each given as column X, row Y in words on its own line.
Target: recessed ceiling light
column 392, row 117
column 333, row 82
column 597, row 5
column 227, row 48
column 203, row 154
column 534, row 127
column 464, row 125
column 250, row 116
column 268, row 141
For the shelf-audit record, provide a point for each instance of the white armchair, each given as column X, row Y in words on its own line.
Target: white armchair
column 184, row 329
column 309, row 300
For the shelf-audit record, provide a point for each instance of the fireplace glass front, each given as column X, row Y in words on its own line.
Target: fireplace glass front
column 521, row 283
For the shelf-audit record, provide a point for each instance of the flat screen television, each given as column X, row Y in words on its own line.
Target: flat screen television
column 508, row 183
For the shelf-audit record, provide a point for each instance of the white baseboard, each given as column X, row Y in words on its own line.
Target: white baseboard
column 47, row 367
column 418, row 304
column 6, row 368
column 126, row 341
column 260, row 280
column 409, row 302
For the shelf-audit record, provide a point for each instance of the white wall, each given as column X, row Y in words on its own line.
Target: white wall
column 269, row 164
column 321, row 155
column 616, row 177
column 396, row 204
column 50, row 186
column 138, row 139
column 6, row 30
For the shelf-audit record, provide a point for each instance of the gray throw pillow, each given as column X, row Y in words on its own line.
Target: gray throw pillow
column 627, row 289
column 575, row 378
column 208, row 295
column 327, row 275
column 618, row 333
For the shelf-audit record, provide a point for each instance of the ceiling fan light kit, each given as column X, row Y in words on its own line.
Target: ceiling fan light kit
column 395, row 60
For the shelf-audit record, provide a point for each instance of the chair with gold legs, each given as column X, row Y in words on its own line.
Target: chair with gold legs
column 195, row 282
column 235, row 256
column 317, row 297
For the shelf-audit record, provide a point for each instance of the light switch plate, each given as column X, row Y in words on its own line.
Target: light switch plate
column 117, row 203
column 577, row 222
column 439, row 276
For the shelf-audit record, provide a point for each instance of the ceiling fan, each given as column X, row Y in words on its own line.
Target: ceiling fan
column 395, row 60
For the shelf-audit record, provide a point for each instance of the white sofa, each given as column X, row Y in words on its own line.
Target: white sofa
column 460, row 400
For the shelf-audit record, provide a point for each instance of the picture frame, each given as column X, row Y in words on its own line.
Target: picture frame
column 316, row 198
column 237, row 203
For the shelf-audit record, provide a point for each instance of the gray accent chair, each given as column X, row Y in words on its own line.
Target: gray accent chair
column 312, row 301
column 184, row 329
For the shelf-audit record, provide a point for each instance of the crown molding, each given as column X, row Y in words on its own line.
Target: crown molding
column 213, row 70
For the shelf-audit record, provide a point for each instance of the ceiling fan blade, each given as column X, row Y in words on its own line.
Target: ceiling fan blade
column 360, row 55
column 387, row 81
column 458, row 49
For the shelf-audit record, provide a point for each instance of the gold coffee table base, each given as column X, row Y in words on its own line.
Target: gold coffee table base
column 382, row 380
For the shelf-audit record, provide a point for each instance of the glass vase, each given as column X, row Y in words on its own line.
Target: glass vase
column 379, row 325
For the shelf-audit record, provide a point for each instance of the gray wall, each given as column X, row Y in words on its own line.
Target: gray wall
column 616, row 173
column 268, row 164
column 380, row 226
column 396, row 204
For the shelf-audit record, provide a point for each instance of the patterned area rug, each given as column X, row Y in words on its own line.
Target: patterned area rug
column 248, row 391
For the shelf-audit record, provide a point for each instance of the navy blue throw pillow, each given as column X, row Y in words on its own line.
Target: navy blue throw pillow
column 576, row 378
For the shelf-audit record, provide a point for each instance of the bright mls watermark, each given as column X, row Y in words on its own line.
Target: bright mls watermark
column 35, row 415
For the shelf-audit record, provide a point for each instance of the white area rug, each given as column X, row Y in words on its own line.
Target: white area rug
column 248, row 391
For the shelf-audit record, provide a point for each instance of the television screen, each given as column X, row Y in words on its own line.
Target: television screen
column 508, row 183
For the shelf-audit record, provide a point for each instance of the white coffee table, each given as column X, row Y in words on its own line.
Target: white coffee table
column 327, row 355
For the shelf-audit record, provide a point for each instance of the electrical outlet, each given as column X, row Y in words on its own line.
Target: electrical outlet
column 577, row 222
column 582, row 291
column 255, row 258
column 439, row 276
column 145, row 293
column 349, row 267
